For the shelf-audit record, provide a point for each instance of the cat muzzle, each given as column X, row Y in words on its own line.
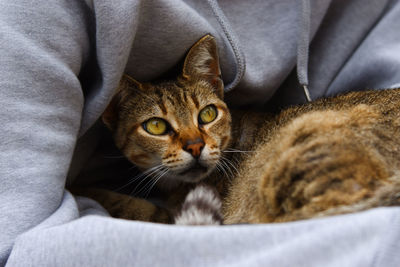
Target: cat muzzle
column 194, row 147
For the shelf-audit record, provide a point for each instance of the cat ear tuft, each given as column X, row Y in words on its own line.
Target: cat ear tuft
column 130, row 83
column 202, row 62
column 110, row 115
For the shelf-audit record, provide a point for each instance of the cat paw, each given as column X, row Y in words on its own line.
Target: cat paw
column 202, row 206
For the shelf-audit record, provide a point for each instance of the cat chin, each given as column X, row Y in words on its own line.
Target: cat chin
column 193, row 173
column 189, row 176
column 192, row 178
column 171, row 181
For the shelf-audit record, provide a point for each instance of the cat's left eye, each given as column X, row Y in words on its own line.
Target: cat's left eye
column 156, row 126
column 207, row 114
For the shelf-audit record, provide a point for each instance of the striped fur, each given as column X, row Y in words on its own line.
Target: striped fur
column 202, row 206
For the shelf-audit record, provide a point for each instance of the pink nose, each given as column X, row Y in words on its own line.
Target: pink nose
column 194, row 147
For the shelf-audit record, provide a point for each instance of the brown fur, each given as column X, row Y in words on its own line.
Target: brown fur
column 332, row 156
column 125, row 207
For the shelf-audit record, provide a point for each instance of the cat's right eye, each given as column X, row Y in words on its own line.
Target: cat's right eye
column 156, row 126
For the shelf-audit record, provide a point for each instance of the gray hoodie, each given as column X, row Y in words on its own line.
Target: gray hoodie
column 60, row 63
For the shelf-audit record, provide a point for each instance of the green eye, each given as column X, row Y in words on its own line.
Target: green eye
column 156, row 126
column 207, row 114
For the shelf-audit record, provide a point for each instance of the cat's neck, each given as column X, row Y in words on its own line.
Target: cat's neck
column 245, row 127
column 169, row 185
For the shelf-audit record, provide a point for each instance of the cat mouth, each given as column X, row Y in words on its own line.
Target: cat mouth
column 195, row 169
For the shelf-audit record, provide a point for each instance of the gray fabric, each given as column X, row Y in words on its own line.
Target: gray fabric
column 303, row 46
column 303, row 43
column 232, row 39
column 364, row 239
column 60, row 62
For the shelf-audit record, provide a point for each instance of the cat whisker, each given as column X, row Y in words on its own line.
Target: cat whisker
column 150, row 181
column 142, row 184
column 144, row 174
column 225, row 168
column 231, row 164
column 143, row 188
column 153, row 176
column 138, row 189
column 236, row 160
column 221, row 169
column 232, row 150
column 155, row 182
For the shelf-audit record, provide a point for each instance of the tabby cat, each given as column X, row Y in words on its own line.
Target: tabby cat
column 332, row 156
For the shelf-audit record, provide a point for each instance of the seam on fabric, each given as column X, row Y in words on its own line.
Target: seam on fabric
column 233, row 41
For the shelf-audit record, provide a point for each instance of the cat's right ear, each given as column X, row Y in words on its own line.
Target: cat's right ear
column 202, row 62
column 126, row 86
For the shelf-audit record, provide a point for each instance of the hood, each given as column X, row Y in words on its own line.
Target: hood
column 302, row 45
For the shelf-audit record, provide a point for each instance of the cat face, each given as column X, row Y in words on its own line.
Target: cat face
column 177, row 128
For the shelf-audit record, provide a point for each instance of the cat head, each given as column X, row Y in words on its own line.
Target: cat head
column 178, row 128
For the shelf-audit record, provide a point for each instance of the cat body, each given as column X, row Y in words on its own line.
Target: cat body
column 332, row 156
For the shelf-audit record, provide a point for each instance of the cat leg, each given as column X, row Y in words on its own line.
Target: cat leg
column 323, row 161
column 124, row 206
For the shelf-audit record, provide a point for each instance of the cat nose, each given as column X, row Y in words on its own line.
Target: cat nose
column 194, row 147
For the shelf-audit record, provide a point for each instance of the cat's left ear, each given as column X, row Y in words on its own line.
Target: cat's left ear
column 202, row 62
